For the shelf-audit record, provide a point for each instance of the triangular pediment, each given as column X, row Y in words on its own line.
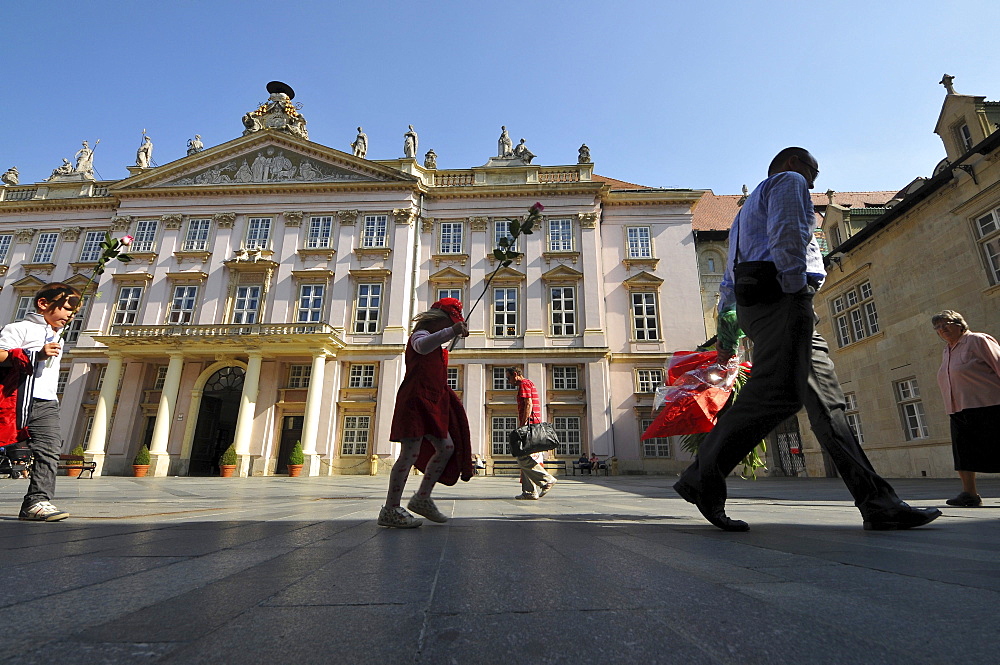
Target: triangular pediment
column 263, row 158
column 641, row 280
column 448, row 274
column 562, row 273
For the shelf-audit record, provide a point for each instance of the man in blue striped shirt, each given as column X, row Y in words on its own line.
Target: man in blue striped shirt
column 774, row 270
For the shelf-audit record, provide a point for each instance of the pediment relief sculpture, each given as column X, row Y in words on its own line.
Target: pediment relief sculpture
column 268, row 165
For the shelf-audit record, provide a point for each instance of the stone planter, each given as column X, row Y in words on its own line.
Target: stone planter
column 138, row 470
column 294, row 470
column 227, row 470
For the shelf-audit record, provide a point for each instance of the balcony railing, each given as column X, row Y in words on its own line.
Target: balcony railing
column 222, row 330
column 17, row 194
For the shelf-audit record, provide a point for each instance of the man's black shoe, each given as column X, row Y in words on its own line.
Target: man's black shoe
column 716, row 514
column 904, row 517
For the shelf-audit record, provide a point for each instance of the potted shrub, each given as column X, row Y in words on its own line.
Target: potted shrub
column 295, row 460
column 140, row 465
column 227, row 463
column 73, row 473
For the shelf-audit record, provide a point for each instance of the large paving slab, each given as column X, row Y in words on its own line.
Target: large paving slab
column 602, row 570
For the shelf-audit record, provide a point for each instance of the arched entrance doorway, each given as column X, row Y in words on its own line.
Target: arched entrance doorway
column 220, row 406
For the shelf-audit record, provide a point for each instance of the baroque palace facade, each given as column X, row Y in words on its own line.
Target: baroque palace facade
column 273, row 282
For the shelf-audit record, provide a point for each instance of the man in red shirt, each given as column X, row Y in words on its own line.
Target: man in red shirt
column 535, row 480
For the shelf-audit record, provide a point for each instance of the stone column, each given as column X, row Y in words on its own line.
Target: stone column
column 248, row 405
column 592, row 314
column 98, row 441
column 159, row 458
column 310, row 422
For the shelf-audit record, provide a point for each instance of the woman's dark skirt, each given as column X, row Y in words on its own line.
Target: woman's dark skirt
column 975, row 439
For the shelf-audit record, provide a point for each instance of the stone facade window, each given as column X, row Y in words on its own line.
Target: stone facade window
column 374, row 232
column 196, row 238
column 454, row 378
column 645, row 326
column 5, row 242
column 658, row 447
column 562, row 311
column 320, row 232
column 560, row 235
column 367, row 306
column 639, row 245
column 449, row 293
column 452, row 237
column 311, row 303
column 855, row 316
column 45, row 248
column 853, row 416
column 24, row 305
column 500, row 426
column 127, row 305
column 161, row 377
column 145, row 235
column 565, row 377
column 911, row 409
column 246, row 306
column 647, row 380
column 569, row 431
column 505, row 312
column 91, row 251
column 298, row 376
column 988, row 236
column 258, row 233
column 355, row 436
column 362, row 375
column 501, row 229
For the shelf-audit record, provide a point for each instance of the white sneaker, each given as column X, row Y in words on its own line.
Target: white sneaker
column 544, row 489
column 397, row 517
column 43, row 511
column 526, row 496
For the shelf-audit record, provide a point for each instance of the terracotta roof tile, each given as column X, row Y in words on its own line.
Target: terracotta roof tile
column 715, row 212
column 618, row 184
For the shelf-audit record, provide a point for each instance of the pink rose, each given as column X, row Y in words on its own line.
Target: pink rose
column 127, row 240
column 538, row 207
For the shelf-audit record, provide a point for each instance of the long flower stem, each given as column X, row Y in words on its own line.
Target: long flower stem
column 486, row 287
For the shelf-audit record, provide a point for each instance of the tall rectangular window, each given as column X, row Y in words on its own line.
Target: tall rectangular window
column 911, row 409
column 196, row 238
column 127, row 305
column 639, row 245
column 161, row 377
column 449, row 293
column 374, row 232
column 658, row 447
column 144, row 239
column 246, row 307
column 451, row 237
column 965, row 136
column 366, row 308
column 453, row 378
column 24, row 305
column 644, row 323
column 501, row 229
column 505, row 312
column 5, row 241
column 182, row 304
column 75, row 324
column 565, row 378
column 310, row 309
column 355, row 438
column 298, row 376
column 568, row 430
column 320, row 232
column 988, row 237
column 855, row 315
column 258, row 233
column 45, row 248
column 62, row 381
column 500, row 381
column 91, row 252
column 560, row 235
column 647, row 380
column 563, row 312
column 362, row 376
column 854, row 417
column 500, row 427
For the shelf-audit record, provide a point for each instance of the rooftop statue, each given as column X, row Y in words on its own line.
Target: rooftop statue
column 584, row 155
column 948, row 82
column 11, row 176
column 360, row 145
column 410, row 142
column 521, row 152
column 195, row 144
column 505, row 148
column 277, row 113
column 431, row 159
column 144, row 155
column 85, row 160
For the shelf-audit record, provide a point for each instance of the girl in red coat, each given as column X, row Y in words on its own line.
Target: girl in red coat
column 429, row 420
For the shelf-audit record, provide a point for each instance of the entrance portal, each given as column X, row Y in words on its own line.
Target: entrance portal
column 220, row 406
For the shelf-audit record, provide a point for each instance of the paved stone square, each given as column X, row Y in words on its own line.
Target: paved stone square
column 602, row 570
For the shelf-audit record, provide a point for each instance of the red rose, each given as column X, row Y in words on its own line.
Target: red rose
column 127, row 240
column 538, row 207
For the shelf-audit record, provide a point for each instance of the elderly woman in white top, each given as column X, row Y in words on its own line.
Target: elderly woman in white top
column 969, row 379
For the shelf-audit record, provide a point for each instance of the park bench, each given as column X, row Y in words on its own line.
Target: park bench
column 77, row 462
column 601, row 465
column 511, row 465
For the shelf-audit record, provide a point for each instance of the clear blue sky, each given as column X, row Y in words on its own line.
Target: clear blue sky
column 665, row 93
